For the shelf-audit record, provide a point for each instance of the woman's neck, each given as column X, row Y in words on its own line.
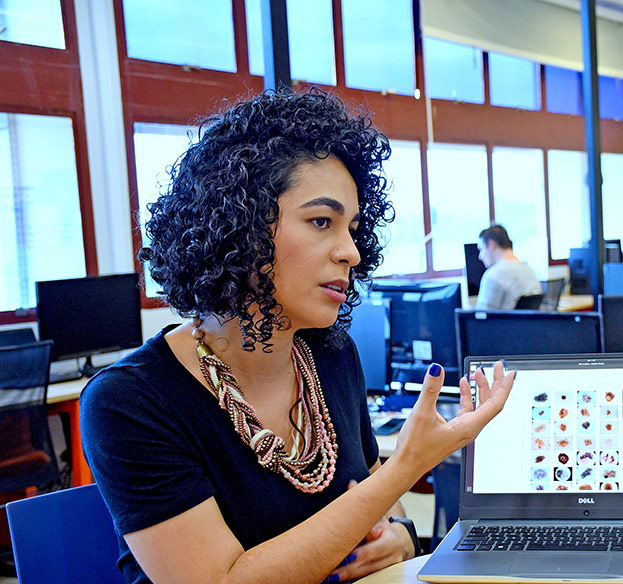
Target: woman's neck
column 255, row 369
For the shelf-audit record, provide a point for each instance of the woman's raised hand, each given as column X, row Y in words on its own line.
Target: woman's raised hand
column 426, row 438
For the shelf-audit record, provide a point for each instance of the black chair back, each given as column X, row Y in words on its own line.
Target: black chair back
column 552, row 290
column 17, row 336
column 532, row 302
column 27, row 455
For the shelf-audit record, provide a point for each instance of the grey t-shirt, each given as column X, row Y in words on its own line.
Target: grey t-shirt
column 504, row 283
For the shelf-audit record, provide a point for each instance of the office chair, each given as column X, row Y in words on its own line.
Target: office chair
column 552, row 290
column 27, row 457
column 532, row 302
column 446, row 478
column 65, row 536
column 17, row 336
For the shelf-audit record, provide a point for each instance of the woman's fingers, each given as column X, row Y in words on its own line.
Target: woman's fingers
column 465, row 400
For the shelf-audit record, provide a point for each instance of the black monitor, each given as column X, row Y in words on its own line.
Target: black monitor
column 611, row 308
column 579, row 270
column 526, row 332
column 474, row 268
column 370, row 329
column 422, row 317
column 87, row 316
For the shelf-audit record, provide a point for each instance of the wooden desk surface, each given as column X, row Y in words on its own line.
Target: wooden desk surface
column 403, row 573
column 571, row 303
column 66, row 391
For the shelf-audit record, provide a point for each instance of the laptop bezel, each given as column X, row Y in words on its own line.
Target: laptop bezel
column 590, row 505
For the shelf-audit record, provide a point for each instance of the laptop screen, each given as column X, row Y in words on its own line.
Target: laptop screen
column 558, row 440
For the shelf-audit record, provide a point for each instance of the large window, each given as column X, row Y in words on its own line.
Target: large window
column 379, row 53
column 193, row 32
column 563, row 90
column 32, row 22
column 519, row 201
column 568, row 201
column 514, row 82
column 40, row 223
column 453, row 71
column 406, row 251
column 459, row 200
column 611, row 98
column 156, row 148
column 612, row 194
column 310, row 39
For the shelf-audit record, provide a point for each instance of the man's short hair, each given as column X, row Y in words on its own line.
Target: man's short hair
column 498, row 234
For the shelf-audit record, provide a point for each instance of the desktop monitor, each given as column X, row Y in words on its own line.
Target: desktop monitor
column 422, row 318
column 88, row 316
column 370, row 329
column 474, row 268
column 611, row 308
column 526, row 332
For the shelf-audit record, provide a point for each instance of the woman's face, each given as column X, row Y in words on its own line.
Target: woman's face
column 314, row 248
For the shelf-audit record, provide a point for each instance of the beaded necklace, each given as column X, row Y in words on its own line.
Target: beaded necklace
column 312, row 469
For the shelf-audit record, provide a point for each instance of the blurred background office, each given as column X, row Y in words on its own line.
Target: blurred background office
column 482, row 103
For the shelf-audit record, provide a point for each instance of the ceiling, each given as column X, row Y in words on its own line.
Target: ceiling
column 609, row 9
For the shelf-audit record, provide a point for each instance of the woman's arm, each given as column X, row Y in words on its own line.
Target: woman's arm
column 198, row 547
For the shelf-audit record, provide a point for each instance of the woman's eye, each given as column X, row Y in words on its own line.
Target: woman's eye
column 321, row 222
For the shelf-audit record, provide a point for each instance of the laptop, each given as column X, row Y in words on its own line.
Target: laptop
column 541, row 496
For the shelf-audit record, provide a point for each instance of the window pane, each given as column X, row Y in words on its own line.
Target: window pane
column 253, row 13
column 405, row 252
column 610, row 98
column 519, row 201
column 156, row 148
column 310, row 38
column 40, row 224
column 379, row 51
column 563, row 91
column 32, row 22
column 453, row 71
column 514, row 82
column 568, row 201
column 182, row 33
column 459, row 200
column 612, row 194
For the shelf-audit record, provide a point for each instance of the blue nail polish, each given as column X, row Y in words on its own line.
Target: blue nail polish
column 483, row 370
column 333, row 578
column 351, row 558
column 435, row 370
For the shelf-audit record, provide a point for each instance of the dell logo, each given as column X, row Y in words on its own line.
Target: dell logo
column 586, row 500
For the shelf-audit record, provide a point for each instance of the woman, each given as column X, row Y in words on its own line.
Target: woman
column 237, row 447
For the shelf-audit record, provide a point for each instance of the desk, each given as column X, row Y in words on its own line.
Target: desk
column 571, row 303
column 63, row 397
column 403, row 573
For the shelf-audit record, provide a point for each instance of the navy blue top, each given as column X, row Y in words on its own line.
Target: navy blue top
column 158, row 444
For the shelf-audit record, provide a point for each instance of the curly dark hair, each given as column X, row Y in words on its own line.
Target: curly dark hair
column 211, row 232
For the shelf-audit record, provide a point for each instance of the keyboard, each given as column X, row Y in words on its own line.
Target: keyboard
column 542, row 538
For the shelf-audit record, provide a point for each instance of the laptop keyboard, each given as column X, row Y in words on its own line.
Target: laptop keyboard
column 543, row 538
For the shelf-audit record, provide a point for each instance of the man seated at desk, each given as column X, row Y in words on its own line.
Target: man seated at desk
column 507, row 278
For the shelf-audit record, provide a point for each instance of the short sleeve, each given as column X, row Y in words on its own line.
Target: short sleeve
column 142, row 461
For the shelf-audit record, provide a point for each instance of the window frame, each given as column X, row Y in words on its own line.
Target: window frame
column 56, row 91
